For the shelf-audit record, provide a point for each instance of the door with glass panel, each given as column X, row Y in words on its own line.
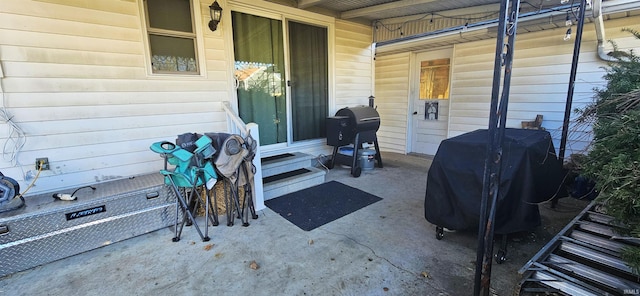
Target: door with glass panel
column 282, row 86
column 309, row 80
column 430, row 98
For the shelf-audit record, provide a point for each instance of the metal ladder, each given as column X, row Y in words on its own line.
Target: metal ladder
column 582, row 259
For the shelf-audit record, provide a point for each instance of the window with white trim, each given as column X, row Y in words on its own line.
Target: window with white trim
column 172, row 37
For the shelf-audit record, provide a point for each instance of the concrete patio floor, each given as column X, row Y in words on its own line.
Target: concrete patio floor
column 387, row 248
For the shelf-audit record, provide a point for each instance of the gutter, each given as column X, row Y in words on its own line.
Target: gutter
column 599, row 22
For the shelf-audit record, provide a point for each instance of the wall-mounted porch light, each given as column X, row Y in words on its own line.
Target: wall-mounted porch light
column 567, row 36
column 216, row 14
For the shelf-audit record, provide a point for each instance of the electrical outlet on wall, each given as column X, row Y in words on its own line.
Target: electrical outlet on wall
column 42, row 163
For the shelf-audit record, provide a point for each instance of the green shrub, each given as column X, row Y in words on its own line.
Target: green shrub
column 614, row 159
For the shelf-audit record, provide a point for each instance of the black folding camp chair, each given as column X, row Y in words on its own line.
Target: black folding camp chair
column 233, row 163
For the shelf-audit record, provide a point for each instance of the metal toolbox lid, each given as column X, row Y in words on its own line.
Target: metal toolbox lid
column 44, row 214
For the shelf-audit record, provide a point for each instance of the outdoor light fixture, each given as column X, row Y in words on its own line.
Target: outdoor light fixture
column 216, row 14
column 567, row 36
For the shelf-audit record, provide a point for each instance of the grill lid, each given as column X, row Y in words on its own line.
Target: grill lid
column 361, row 118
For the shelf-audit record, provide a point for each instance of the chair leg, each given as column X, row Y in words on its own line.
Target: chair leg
column 196, row 194
column 228, row 202
column 236, row 200
column 249, row 197
column 185, row 212
column 206, row 213
column 176, row 237
column 182, row 201
column 247, row 200
column 193, row 204
column 215, row 205
column 195, row 201
column 214, row 209
column 245, row 215
column 247, row 205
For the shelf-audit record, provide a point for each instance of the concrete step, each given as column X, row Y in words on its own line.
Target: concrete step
column 289, row 172
column 291, row 181
column 283, row 163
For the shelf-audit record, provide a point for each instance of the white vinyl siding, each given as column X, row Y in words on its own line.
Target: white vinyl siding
column 76, row 82
column 392, row 95
column 353, row 65
column 539, row 84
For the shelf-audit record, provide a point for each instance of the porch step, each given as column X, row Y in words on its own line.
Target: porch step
column 286, row 162
column 288, row 173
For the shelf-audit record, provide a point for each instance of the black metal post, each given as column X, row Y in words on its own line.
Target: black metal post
column 493, row 118
column 493, row 158
column 572, row 81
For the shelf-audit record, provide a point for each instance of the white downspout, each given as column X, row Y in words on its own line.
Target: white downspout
column 599, row 22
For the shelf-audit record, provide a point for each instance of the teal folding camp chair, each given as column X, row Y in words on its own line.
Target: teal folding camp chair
column 191, row 171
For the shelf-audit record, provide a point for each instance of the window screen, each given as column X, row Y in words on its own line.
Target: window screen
column 172, row 38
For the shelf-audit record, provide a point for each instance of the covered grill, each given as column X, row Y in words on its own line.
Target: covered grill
column 353, row 126
column 530, row 174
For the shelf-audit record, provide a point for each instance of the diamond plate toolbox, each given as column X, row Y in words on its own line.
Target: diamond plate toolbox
column 47, row 229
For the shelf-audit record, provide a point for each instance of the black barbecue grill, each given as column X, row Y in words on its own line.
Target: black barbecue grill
column 353, row 126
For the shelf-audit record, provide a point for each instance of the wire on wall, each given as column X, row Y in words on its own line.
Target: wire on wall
column 16, row 138
column 431, row 15
column 569, row 8
column 569, row 20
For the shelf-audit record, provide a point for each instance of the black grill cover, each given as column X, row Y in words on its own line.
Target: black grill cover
column 531, row 173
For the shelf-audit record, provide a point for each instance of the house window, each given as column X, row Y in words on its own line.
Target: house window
column 172, row 37
column 434, row 79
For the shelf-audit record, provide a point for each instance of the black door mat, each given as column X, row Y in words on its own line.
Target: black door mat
column 284, row 175
column 315, row 206
column 276, row 157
